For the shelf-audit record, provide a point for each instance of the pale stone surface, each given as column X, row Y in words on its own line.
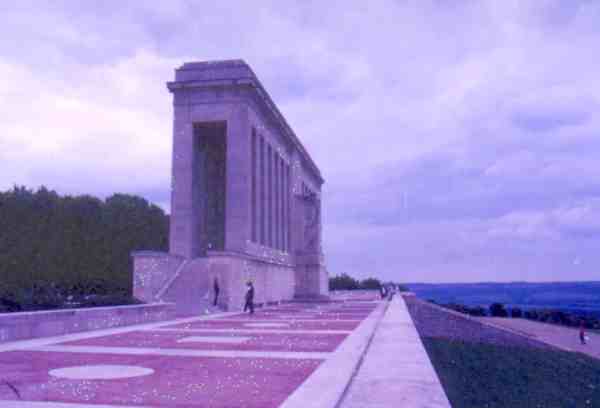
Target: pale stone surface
column 214, row 339
column 27, row 325
column 266, row 324
column 100, row 372
column 245, row 198
column 396, row 370
column 149, row 351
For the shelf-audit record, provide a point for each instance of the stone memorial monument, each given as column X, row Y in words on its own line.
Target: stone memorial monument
column 245, row 198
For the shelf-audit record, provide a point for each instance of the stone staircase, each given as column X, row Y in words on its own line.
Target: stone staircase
column 190, row 290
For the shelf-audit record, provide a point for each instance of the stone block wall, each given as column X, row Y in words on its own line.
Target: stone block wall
column 435, row 321
column 272, row 282
column 151, row 272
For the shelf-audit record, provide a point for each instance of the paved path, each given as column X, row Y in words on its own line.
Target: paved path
column 396, row 370
column 293, row 355
column 566, row 338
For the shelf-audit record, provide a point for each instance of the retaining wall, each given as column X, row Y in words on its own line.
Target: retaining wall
column 28, row 325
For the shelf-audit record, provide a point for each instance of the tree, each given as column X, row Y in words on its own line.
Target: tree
column 516, row 312
column 61, row 242
column 498, row 310
column 343, row 282
column 370, row 283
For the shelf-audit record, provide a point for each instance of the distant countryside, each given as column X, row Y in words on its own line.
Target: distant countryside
column 582, row 297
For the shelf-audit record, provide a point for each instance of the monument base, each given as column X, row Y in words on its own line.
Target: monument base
column 189, row 283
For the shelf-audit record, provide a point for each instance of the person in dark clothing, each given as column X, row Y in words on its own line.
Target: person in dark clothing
column 216, row 289
column 249, row 298
column 582, row 333
column 382, row 291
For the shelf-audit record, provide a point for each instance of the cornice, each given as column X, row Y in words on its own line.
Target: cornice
column 236, row 73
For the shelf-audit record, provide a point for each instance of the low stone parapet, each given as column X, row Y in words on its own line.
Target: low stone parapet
column 28, row 325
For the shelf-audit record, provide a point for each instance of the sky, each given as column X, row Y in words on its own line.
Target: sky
column 459, row 140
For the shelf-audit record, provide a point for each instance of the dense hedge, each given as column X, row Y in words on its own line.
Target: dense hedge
column 572, row 318
column 75, row 244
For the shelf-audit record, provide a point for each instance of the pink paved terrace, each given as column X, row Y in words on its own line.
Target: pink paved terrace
column 171, row 365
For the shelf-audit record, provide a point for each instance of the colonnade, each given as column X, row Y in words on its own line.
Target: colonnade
column 270, row 195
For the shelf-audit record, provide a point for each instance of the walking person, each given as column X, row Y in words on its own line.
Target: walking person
column 249, row 297
column 582, row 333
column 382, row 291
column 216, row 289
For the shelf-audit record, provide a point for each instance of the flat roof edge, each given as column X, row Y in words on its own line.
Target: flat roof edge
column 236, row 73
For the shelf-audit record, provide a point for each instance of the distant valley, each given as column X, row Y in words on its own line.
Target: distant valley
column 580, row 296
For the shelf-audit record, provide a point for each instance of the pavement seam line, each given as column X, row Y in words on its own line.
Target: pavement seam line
column 182, row 352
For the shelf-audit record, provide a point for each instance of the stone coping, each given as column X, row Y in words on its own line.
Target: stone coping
column 44, row 323
column 158, row 254
column 218, row 254
column 75, row 310
column 251, row 257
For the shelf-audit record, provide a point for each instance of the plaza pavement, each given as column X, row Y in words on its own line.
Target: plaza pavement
column 294, row 355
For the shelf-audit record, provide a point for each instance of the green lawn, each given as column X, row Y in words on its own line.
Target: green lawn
column 478, row 375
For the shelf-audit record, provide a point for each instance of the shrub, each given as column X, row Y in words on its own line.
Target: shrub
column 516, row 312
column 498, row 310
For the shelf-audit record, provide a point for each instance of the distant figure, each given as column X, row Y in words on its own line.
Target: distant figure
column 382, row 291
column 582, row 333
column 392, row 292
column 216, row 289
column 249, row 298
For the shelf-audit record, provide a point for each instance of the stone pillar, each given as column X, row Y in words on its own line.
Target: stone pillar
column 237, row 200
column 281, row 222
column 257, row 187
column 284, row 204
column 289, row 192
column 263, row 192
column 272, row 197
column 276, row 200
column 184, row 218
column 269, row 199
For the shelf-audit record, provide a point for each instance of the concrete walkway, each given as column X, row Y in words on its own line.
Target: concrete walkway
column 565, row 338
column 396, row 370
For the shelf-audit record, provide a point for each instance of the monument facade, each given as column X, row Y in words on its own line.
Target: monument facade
column 245, row 197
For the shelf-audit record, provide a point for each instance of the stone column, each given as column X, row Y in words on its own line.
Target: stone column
column 272, row 199
column 237, row 196
column 284, row 204
column 257, row 192
column 296, row 208
column 183, row 215
column 289, row 192
column 269, row 186
column 283, row 212
column 275, row 200
column 263, row 196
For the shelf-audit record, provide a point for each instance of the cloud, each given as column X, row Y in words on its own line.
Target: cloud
column 458, row 140
column 99, row 127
